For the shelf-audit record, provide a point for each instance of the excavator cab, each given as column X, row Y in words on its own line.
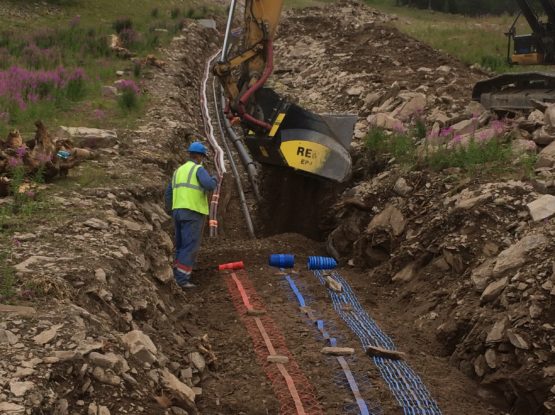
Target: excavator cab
column 527, row 50
column 277, row 132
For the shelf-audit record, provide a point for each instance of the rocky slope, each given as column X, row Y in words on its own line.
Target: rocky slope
column 103, row 329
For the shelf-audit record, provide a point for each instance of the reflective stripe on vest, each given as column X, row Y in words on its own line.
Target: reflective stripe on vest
column 187, row 191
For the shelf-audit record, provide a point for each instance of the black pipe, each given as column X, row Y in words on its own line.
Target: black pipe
column 244, row 155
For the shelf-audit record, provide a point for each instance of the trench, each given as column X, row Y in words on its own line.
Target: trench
column 295, row 216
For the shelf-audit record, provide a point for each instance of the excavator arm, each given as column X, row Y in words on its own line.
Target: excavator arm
column 276, row 131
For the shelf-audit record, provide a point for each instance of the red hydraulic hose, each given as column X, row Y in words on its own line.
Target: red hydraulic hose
column 259, row 84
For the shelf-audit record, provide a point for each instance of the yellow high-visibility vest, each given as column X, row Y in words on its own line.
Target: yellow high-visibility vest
column 187, row 191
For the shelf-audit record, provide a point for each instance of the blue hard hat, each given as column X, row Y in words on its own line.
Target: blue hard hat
column 197, row 147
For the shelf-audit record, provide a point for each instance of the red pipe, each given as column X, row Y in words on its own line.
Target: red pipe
column 259, row 84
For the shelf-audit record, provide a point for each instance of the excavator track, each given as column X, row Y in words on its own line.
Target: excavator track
column 516, row 91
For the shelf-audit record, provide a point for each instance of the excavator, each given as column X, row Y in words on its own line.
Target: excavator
column 524, row 91
column 276, row 131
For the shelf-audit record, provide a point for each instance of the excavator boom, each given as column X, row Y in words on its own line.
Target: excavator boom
column 276, row 131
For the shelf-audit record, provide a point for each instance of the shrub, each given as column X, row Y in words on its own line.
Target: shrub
column 470, row 155
column 7, row 279
column 191, row 13
column 137, row 69
column 76, row 88
column 398, row 145
column 19, row 86
column 420, row 128
column 155, row 12
column 129, row 98
column 5, row 58
column 175, row 12
column 122, row 23
column 129, row 37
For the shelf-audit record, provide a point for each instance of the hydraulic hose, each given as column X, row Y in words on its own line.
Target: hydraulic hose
column 244, row 155
column 257, row 85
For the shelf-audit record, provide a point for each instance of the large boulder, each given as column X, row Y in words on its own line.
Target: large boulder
column 90, row 137
column 414, row 106
column 140, row 346
column 516, row 255
column 390, row 219
column 386, row 122
column 546, row 158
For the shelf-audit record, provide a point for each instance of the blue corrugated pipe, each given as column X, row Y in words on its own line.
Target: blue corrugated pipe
column 321, row 262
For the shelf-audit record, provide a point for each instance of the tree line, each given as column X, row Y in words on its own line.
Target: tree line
column 469, row 7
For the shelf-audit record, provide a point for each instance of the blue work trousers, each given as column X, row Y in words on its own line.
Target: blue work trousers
column 188, row 236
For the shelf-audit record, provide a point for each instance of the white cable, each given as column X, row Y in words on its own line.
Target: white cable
column 209, row 129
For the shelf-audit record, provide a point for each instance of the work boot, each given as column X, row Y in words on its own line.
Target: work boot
column 186, row 285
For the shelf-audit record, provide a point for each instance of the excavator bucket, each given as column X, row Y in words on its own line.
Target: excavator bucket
column 299, row 139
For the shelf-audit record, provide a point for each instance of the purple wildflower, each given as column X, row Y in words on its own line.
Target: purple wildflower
column 124, row 85
column 498, row 126
column 16, row 242
column 100, row 114
column 14, row 162
column 75, row 21
column 21, row 151
column 446, row 132
column 4, row 117
column 30, row 194
column 457, row 139
column 21, row 86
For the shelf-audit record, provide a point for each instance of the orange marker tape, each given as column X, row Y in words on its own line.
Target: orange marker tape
column 286, row 376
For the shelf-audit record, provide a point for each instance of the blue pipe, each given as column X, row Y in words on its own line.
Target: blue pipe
column 282, row 260
column 407, row 387
column 321, row 262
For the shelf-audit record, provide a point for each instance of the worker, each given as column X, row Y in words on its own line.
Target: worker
column 186, row 197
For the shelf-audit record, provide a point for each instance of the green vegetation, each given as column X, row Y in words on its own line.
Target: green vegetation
column 491, row 156
column 54, row 67
column 7, row 278
column 474, row 40
column 400, row 146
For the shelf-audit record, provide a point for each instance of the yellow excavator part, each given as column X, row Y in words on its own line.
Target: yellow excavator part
column 528, row 59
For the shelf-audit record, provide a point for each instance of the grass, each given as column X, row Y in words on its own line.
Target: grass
column 471, row 39
column 494, row 156
column 7, row 278
column 401, row 147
